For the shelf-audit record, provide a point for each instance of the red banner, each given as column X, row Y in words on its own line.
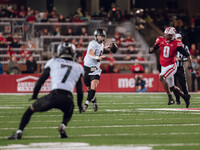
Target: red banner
column 108, row 83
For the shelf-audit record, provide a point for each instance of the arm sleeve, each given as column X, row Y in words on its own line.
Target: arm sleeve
column 155, row 46
column 40, row 82
column 183, row 51
column 79, row 90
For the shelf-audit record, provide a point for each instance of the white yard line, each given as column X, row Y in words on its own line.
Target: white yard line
column 86, row 146
column 110, row 126
column 71, row 146
column 171, row 109
column 97, row 120
column 6, row 107
column 107, row 135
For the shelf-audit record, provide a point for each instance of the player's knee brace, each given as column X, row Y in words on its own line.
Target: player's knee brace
column 91, row 94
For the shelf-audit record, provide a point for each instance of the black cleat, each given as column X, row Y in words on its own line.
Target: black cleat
column 187, row 100
column 63, row 134
column 171, row 101
column 15, row 136
column 94, row 104
column 85, row 106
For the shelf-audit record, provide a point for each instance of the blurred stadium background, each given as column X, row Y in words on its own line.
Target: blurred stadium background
column 36, row 27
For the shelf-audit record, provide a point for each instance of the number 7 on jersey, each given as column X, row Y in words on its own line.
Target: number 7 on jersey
column 69, row 68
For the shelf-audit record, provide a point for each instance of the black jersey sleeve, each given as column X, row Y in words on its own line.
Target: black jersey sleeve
column 79, row 90
column 40, row 82
column 153, row 48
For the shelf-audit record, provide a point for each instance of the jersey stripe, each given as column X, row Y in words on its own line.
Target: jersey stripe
column 169, row 70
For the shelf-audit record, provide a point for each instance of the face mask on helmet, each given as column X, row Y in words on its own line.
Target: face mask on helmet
column 170, row 33
column 67, row 51
column 100, row 32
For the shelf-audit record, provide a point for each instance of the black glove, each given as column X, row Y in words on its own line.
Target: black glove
column 155, row 47
column 33, row 98
column 190, row 68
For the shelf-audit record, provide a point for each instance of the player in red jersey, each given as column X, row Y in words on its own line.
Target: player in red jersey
column 168, row 47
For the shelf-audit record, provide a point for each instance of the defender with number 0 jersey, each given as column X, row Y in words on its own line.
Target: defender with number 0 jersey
column 168, row 51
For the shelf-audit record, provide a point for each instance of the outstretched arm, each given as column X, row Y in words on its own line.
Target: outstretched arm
column 153, row 48
column 40, row 82
column 79, row 90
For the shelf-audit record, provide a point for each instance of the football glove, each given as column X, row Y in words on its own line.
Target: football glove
column 155, row 47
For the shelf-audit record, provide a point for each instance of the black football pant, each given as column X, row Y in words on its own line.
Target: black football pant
column 59, row 99
column 180, row 76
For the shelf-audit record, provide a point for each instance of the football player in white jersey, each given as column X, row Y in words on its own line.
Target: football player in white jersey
column 64, row 73
column 92, row 68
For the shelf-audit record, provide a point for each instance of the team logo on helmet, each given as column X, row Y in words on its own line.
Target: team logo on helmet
column 170, row 33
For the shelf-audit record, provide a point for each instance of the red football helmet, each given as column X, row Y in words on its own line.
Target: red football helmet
column 170, row 33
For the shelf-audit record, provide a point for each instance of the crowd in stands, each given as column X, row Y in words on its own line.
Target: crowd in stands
column 30, row 15
column 8, row 47
column 11, row 42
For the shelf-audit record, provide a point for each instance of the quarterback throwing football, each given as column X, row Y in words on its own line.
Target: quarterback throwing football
column 92, row 63
column 168, row 47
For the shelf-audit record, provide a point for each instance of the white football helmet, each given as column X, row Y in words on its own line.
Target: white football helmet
column 67, row 50
column 170, row 33
column 100, row 32
column 178, row 35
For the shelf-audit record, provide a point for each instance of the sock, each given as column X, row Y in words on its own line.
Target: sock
column 170, row 96
column 63, row 126
column 93, row 100
column 19, row 131
column 91, row 95
column 87, row 102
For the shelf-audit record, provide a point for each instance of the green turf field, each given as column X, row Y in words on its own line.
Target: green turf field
column 125, row 120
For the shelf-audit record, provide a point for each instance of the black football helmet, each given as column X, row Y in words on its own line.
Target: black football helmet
column 67, row 50
column 100, row 32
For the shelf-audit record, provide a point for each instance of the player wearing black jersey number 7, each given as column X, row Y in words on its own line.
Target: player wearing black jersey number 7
column 64, row 73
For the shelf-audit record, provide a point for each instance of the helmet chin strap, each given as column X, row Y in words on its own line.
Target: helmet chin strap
column 100, row 41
